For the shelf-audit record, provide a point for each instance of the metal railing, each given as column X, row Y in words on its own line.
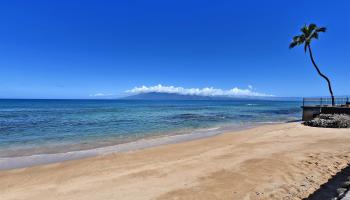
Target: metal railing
column 326, row 101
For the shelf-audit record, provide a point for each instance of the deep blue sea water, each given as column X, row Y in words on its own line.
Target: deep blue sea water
column 51, row 126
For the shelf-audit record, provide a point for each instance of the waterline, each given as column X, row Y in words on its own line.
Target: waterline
column 41, row 159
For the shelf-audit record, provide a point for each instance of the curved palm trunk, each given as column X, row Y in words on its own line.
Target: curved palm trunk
column 322, row 75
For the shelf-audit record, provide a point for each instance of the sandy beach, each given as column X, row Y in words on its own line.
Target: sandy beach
column 284, row 161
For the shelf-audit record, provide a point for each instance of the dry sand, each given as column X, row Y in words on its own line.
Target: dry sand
column 285, row 161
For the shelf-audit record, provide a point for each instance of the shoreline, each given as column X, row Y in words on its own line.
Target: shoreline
column 283, row 161
column 16, row 162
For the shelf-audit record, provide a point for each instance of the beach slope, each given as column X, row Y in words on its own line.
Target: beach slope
column 284, row 161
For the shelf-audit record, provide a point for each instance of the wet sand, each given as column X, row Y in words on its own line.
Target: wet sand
column 284, row 161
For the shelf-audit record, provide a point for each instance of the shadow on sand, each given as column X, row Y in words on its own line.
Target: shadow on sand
column 328, row 190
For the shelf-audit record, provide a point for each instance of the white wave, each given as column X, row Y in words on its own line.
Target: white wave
column 207, row 91
column 101, row 95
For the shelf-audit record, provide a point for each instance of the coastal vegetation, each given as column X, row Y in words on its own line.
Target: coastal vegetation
column 310, row 32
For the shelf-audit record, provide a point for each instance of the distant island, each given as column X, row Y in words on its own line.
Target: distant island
column 172, row 96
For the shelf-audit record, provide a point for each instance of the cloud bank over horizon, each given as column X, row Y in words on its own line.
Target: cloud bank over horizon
column 207, row 91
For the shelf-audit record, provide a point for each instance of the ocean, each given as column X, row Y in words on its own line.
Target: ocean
column 42, row 131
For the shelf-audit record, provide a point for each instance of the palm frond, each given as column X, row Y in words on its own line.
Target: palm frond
column 296, row 38
column 322, row 29
column 293, row 44
column 305, row 30
column 302, row 39
column 312, row 27
column 309, row 32
column 314, row 35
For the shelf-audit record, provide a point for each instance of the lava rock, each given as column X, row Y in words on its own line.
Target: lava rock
column 341, row 191
column 330, row 121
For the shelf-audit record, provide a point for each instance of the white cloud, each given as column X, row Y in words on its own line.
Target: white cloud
column 207, row 91
column 100, row 95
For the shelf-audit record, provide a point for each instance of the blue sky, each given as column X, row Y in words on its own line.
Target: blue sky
column 72, row 49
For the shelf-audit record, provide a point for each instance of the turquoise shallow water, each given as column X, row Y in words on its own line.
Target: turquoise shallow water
column 30, row 127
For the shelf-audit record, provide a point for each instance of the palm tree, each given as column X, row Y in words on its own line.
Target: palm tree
column 310, row 32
